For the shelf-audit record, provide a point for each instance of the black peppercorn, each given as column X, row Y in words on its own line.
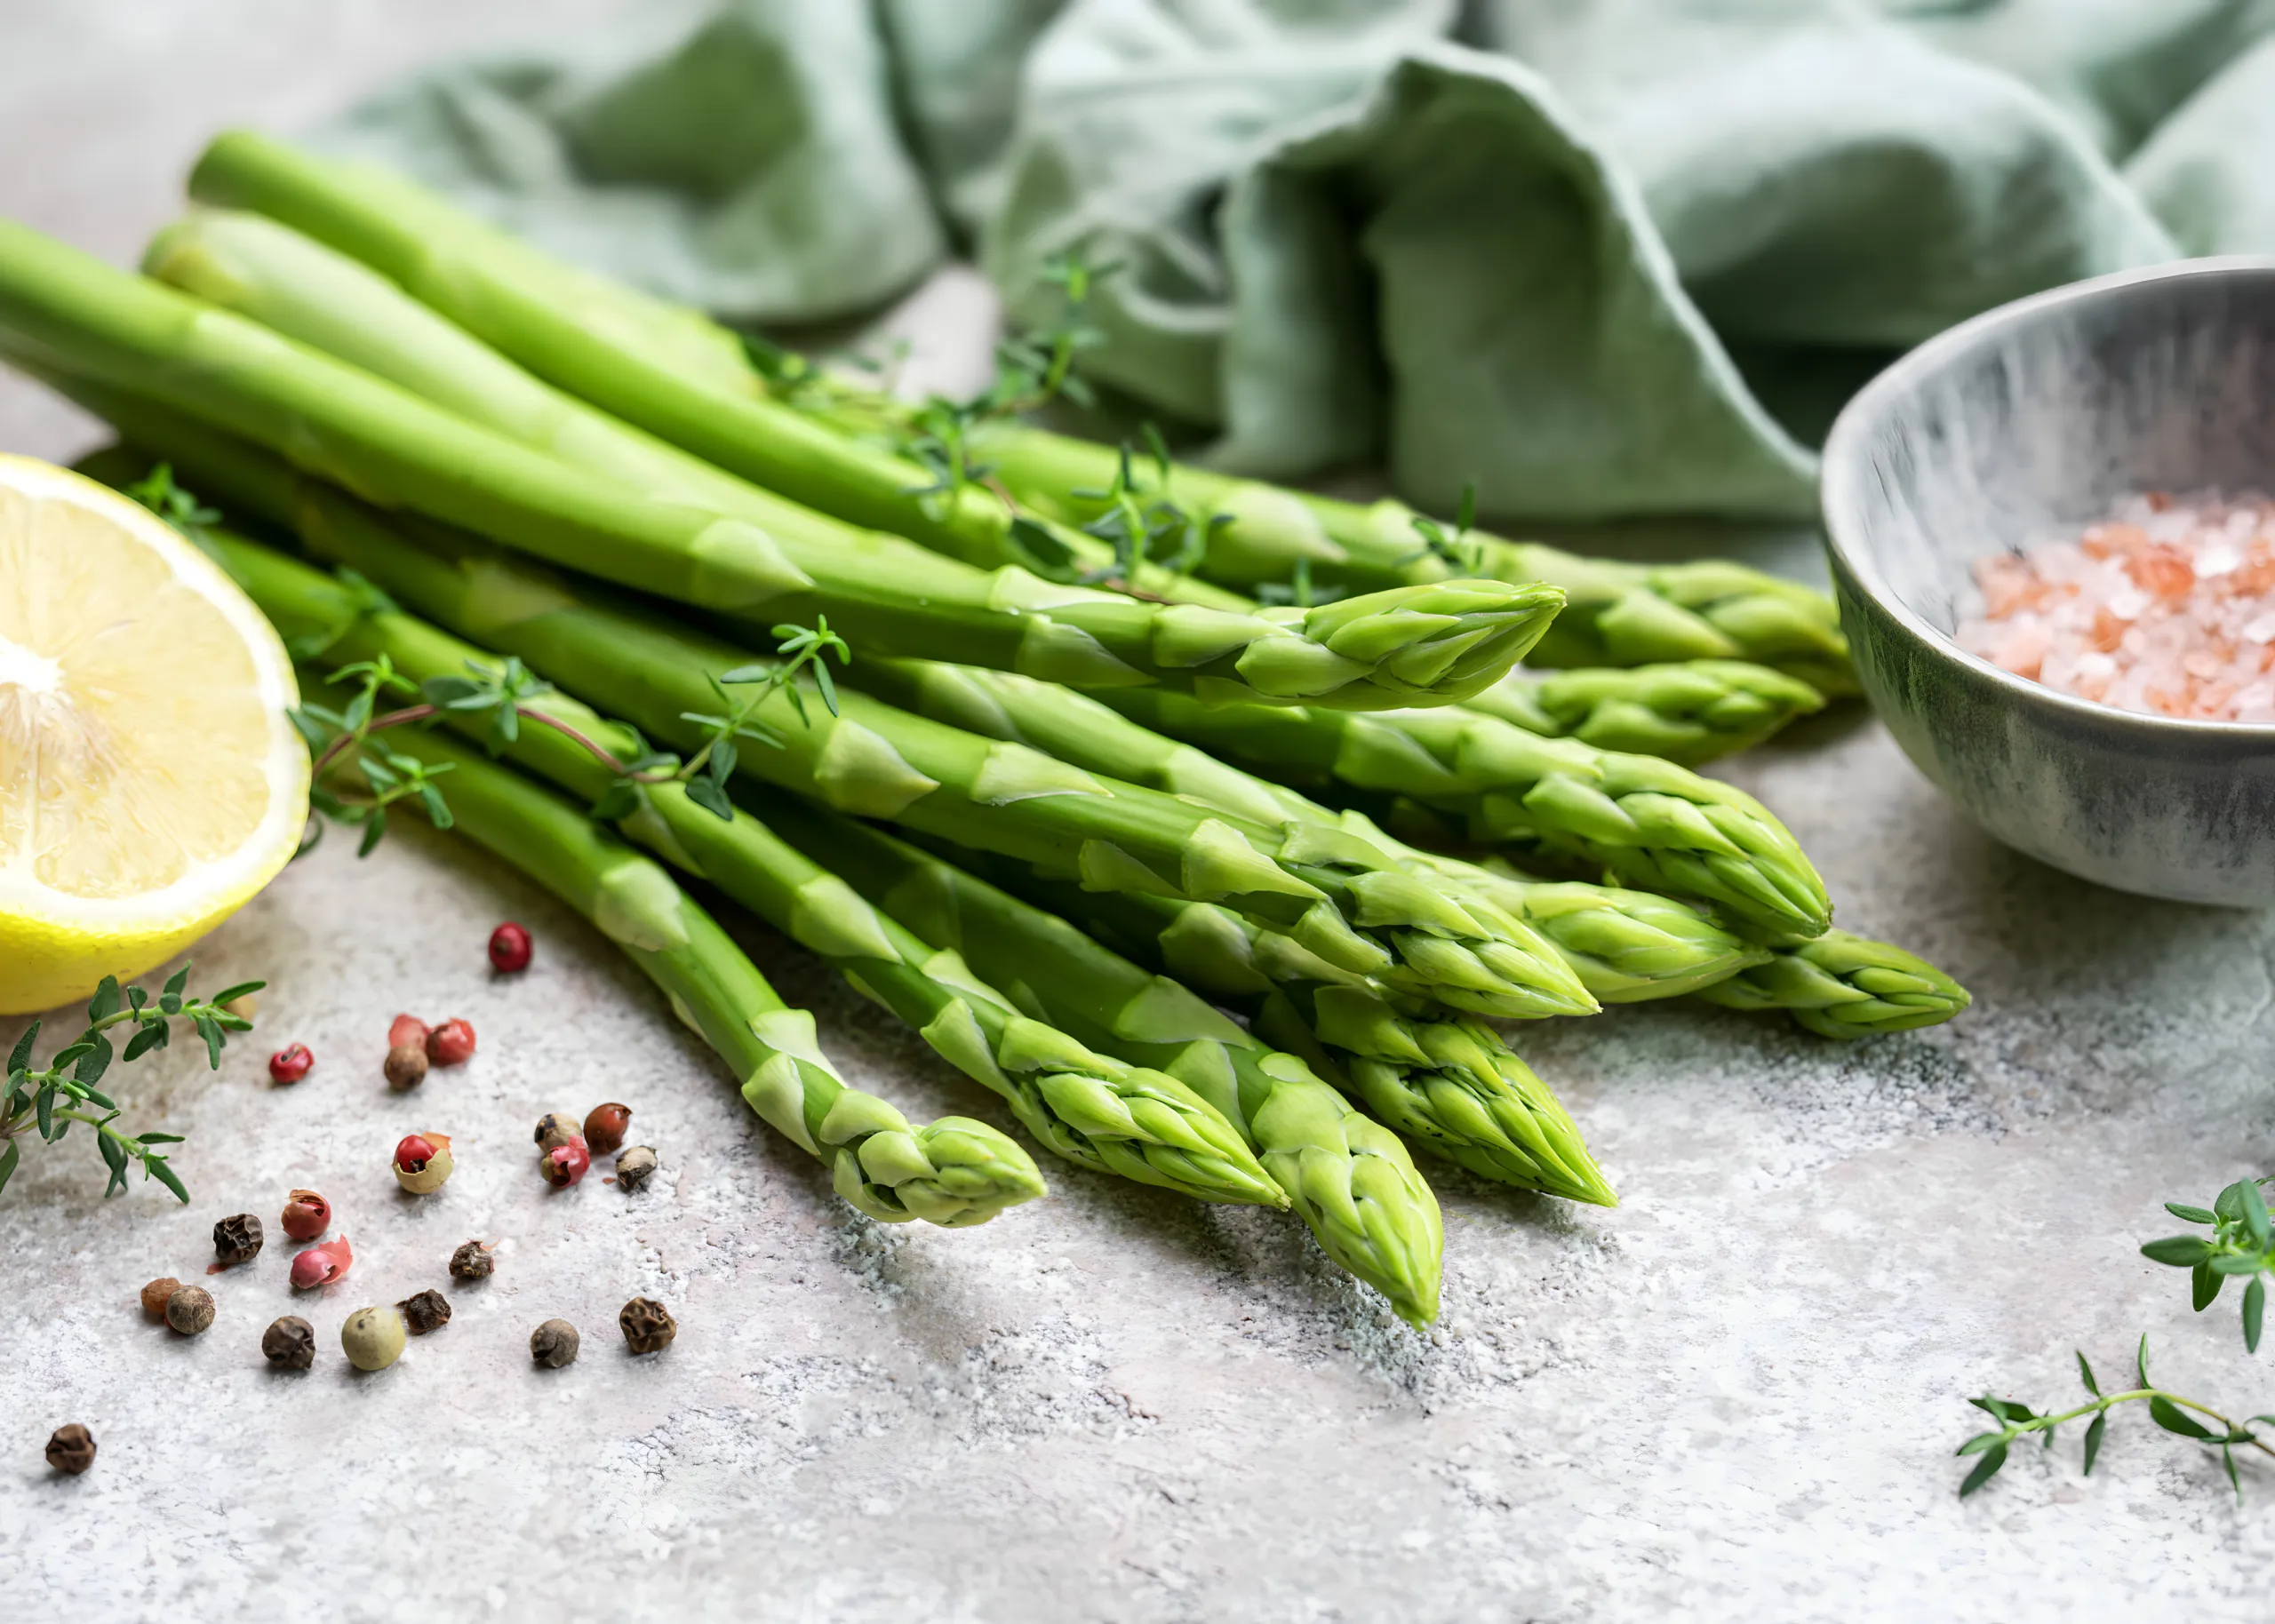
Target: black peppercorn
column 471, row 1262
column 634, row 1167
column 237, row 1240
column 647, row 1325
column 428, row 1310
column 71, row 1449
column 554, row 1344
column 291, row 1342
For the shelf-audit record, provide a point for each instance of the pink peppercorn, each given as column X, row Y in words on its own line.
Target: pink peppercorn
column 321, row 1265
column 290, row 1064
column 407, row 1032
column 451, row 1044
column 509, row 949
column 564, row 1164
column 307, row 1214
column 413, row 1152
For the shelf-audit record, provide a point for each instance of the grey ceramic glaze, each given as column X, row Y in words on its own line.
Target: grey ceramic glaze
column 2023, row 425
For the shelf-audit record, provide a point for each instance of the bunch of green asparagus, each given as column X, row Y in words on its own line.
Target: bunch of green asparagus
column 1102, row 808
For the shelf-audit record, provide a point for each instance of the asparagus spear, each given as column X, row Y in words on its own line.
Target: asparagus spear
column 1687, row 712
column 1353, row 1181
column 955, row 1171
column 669, row 370
column 1845, row 987
column 1619, row 614
column 295, row 285
column 1655, row 826
column 1089, row 1108
column 1342, row 896
column 77, row 322
column 1620, row 945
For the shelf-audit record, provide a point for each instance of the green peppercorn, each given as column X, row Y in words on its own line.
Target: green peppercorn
column 647, row 1325
column 425, row 1311
column 289, row 1343
column 190, row 1310
column 556, row 1127
column 554, row 1344
column 71, row 1449
column 374, row 1338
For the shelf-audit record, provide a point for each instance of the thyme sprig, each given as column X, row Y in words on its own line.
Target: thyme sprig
column 1463, row 553
column 157, row 492
column 49, row 1099
column 2241, row 1246
column 2169, row 1411
column 1143, row 530
column 350, row 734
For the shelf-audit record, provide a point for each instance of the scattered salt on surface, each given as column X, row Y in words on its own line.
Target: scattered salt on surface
column 2166, row 606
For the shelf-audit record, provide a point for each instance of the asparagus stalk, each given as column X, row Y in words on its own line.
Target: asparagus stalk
column 1687, row 712
column 1353, row 1181
column 1619, row 945
column 1845, row 987
column 1344, row 896
column 1653, row 825
column 76, row 321
column 1618, row 614
column 955, row 1171
column 296, row 286
column 1089, row 1108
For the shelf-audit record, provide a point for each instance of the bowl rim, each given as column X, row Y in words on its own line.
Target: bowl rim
column 1843, row 465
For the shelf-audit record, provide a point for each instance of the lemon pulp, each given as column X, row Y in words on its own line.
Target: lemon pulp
column 150, row 784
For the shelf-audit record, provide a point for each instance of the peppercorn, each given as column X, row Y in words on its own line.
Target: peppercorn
column 633, row 1166
column 407, row 1029
column 290, row 1342
column 565, row 1164
column 471, row 1262
column 423, row 1163
column 451, row 1044
column 374, row 1338
column 425, row 1311
column 155, row 1296
column 71, row 1449
column 307, row 1214
column 190, row 1310
column 554, row 1344
column 509, row 949
column 237, row 1240
column 405, row 1068
column 290, row 1064
column 604, row 1128
column 647, row 1325
column 321, row 1265
column 556, row 1127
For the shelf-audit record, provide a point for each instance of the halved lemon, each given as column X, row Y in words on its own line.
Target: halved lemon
column 150, row 784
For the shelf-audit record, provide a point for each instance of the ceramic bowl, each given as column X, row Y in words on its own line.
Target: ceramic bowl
column 2026, row 423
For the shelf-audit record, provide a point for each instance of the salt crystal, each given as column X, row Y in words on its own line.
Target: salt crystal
column 2166, row 606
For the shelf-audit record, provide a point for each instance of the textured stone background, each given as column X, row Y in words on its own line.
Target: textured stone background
column 1735, row 1397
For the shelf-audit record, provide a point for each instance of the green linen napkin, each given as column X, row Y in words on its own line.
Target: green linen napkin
column 1605, row 257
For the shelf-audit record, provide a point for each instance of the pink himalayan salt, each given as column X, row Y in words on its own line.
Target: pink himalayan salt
column 2166, row 606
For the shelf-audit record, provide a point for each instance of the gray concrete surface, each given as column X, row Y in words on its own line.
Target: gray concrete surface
column 1734, row 1397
